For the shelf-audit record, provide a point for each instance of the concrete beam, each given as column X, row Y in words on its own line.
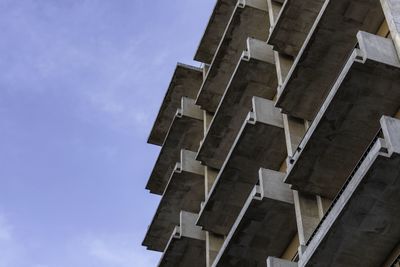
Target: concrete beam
column 294, row 22
column 254, row 75
column 275, row 262
column 185, row 191
column 265, row 226
column 186, row 246
column 214, row 31
column 249, row 19
column 391, row 9
column 362, row 226
column 324, row 52
column 185, row 132
column 367, row 88
column 186, row 81
column 260, row 143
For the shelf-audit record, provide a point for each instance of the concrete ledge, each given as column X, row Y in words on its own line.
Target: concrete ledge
column 265, row 226
column 187, row 246
column 362, row 226
column 214, row 31
column 367, row 88
column 275, row 262
column 185, row 132
column 255, row 75
column 391, row 9
column 185, row 191
column 324, row 52
column 293, row 24
column 260, row 143
column 249, row 19
column 186, row 81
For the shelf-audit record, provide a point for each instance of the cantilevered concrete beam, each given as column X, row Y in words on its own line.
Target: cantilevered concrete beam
column 186, row 246
column 186, row 81
column 214, row 31
column 275, row 262
column 249, row 19
column 325, row 51
column 185, row 132
column 293, row 25
column 185, row 191
column 367, row 88
column 260, row 143
column 265, row 226
column 362, row 226
column 391, row 9
column 255, row 75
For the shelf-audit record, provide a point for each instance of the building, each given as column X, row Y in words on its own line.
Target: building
column 284, row 148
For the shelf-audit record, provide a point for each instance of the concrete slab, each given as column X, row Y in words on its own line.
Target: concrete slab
column 214, row 31
column 186, row 81
column 293, row 24
column 187, row 246
column 325, row 51
column 255, row 75
column 367, row 88
column 185, row 191
column 391, row 9
column 185, row 132
column 249, row 19
column 362, row 226
column 275, row 262
column 265, row 226
column 260, row 143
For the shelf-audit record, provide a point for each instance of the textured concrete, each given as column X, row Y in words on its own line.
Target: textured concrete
column 367, row 88
column 250, row 19
column 293, row 24
column 186, row 81
column 362, row 227
column 260, row 143
column 185, row 132
column 325, row 51
column 255, row 75
column 274, row 262
column 391, row 9
column 265, row 226
column 186, row 247
column 214, row 31
column 185, row 191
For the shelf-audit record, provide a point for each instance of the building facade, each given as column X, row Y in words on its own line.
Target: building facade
column 284, row 148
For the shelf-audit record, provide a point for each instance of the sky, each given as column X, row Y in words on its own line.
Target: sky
column 81, row 82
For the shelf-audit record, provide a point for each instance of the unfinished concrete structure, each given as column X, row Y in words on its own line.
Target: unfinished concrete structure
column 283, row 149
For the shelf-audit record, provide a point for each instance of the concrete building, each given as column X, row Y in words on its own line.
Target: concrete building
column 283, row 149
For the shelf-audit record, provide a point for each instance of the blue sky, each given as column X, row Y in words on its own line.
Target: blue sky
column 80, row 84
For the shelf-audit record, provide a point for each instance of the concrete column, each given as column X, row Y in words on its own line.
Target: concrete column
column 323, row 205
column 307, row 215
column 294, row 132
column 391, row 9
column 283, row 65
column 210, row 176
column 275, row 262
column 213, row 245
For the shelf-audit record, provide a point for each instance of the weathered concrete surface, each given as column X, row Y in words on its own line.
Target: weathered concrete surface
column 275, row 262
column 255, row 75
column 260, row 143
column 186, row 246
column 185, row 132
column 325, row 51
column 186, row 81
column 214, row 31
column 249, row 19
column 362, row 227
column 293, row 25
column 185, row 191
column 391, row 9
column 367, row 88
column 265, row 226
